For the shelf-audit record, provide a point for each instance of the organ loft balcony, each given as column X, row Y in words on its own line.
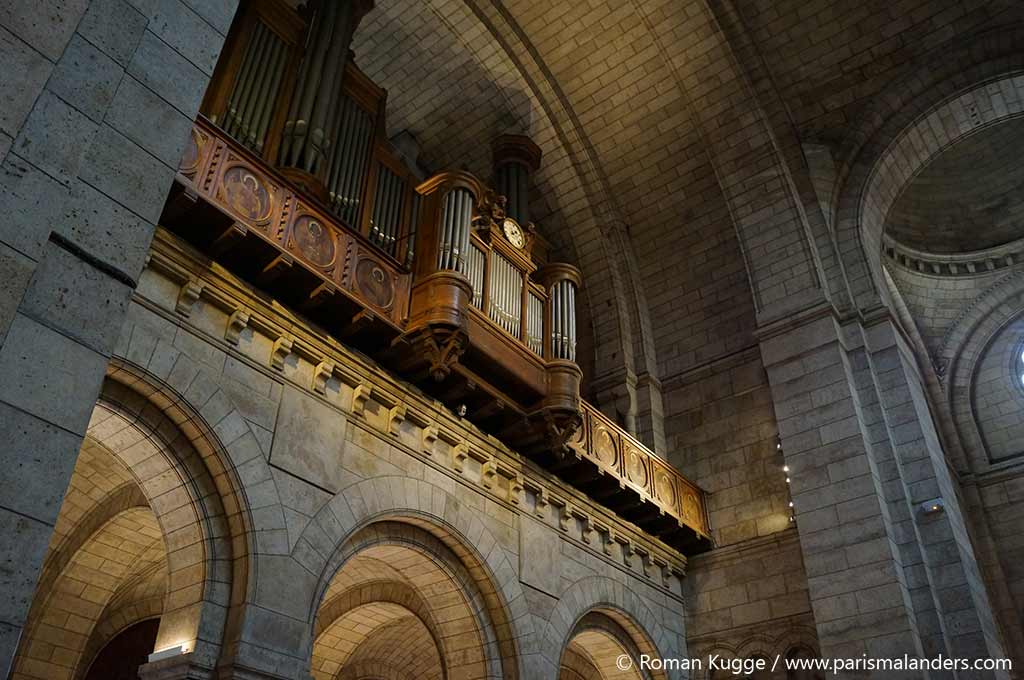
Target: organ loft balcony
column 290, row 182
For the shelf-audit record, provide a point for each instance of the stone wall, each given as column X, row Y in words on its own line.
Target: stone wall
column 749, row 599
column 97, row 99
column 722, row 434
column 323, row 445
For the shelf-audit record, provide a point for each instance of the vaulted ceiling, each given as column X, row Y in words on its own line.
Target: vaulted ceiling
column 615, row 94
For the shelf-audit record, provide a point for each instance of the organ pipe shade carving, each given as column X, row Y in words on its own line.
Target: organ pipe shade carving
column 506, row 294
column 456, row 216
column 410, row 249
column 255, row 90
column 563, row 320
column 535, row 324
column 476, row 260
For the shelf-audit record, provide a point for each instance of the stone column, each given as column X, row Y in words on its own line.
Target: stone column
column 935, row 518
column 83, row 179
column 855, row 574
column 312, row 117
column 891, row 569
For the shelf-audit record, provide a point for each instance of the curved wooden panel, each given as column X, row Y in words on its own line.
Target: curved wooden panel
column 618, row 453
column 227, row 175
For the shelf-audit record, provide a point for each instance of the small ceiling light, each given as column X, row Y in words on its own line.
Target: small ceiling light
column 791, row 504
column 787, row 480
column 785, row 468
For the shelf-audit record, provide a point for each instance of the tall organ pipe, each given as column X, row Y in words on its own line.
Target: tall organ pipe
column 267, row 106
column 297, row 124
column 515, row 158
column 259, row 94
column 245, row 74
column 312, row 116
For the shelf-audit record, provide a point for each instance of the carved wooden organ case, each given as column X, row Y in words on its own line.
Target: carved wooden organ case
column 289, row 181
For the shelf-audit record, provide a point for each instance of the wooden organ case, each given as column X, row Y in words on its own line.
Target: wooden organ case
column 289, row 181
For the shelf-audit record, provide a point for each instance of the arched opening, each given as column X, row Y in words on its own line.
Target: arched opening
column 404, row 604
column 608, row 645
column 141, row 558
column 121, row 657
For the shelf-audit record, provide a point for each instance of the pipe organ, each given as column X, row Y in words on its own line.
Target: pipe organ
column 289, row 181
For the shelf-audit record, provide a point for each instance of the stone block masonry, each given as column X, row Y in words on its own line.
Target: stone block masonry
column 95, row 105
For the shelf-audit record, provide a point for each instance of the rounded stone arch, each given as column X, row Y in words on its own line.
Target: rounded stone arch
column 435, row 515
column 966, row 345
column 939, row 99
column 609, row 598
column 145, row 602
column 225, row 474
column 168, row 463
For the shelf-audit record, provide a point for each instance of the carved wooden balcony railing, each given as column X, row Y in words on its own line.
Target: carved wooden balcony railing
column 432, row 279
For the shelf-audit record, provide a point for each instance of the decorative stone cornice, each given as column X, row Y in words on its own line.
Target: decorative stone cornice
column 410, row 420
column 957, row 265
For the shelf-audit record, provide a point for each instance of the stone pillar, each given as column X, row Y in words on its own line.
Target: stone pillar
column 891, row 569
column 84, row 172
column 935, row 518
column 312, row 117
column 855, row 575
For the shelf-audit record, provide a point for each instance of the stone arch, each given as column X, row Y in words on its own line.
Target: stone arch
column 142, row 602
column 600, row 640
column 322, row 548
column 763, row 643
column 612, row 599
column 394, row 592
column 939, row 99
column 191, row 457
column 966, row 345
column 448, row 629
column 70, row 603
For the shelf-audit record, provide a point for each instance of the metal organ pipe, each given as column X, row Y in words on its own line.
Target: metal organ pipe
column 535, row 323
column 245, row 96
column 313, row 117
column 258, row 95
column 444, row 243
column 244, row 75
column 262, row 121
column 343, row 135
column 296, row 127
column 563, row 320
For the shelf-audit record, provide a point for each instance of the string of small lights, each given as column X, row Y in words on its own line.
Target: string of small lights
column 785, row 469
